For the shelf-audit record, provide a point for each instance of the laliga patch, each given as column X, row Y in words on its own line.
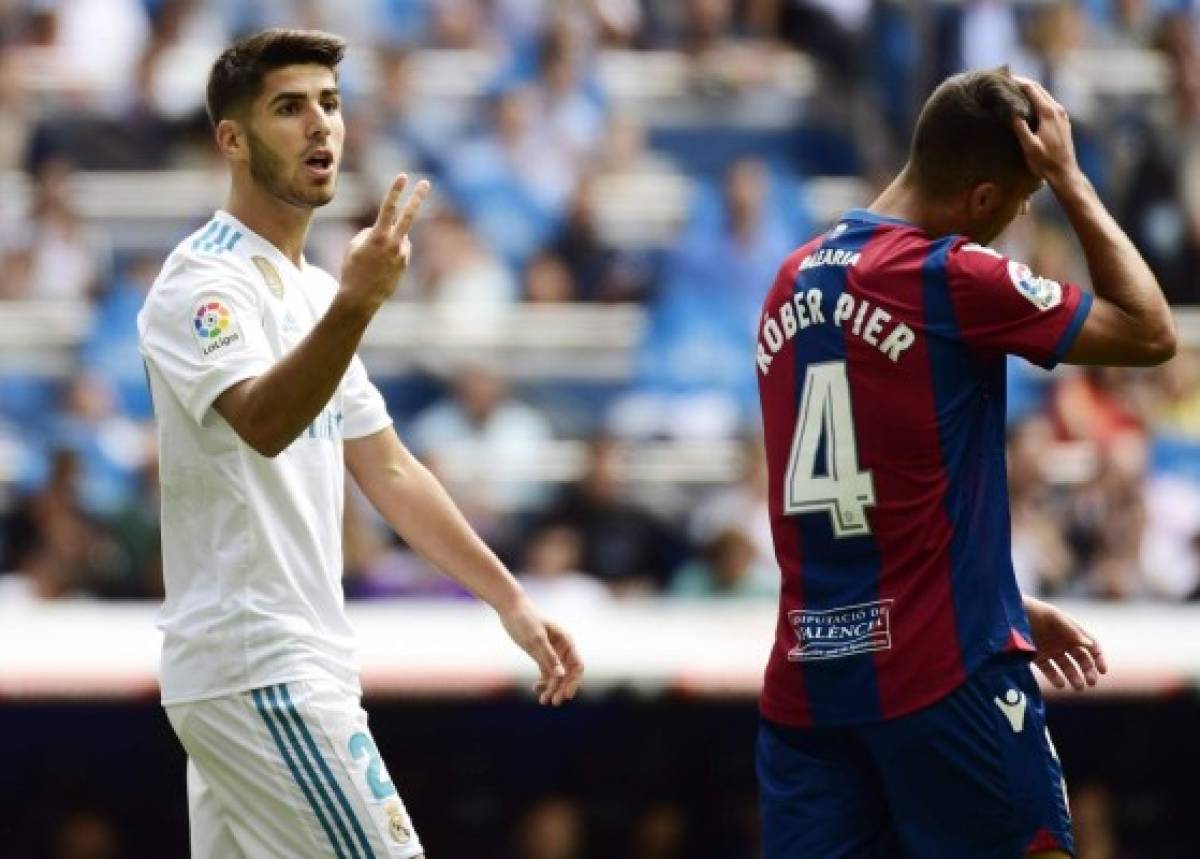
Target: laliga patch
column 215, row 327
column 1041, row 292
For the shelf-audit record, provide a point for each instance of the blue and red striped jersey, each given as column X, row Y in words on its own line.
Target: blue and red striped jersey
column 880, row 362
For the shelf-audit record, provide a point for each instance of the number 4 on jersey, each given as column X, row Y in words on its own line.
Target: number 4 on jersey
column 843, row 490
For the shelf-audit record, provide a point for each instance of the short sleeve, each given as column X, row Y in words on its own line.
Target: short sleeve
column 201, row 329
column 364, row 411
column 1004, row 308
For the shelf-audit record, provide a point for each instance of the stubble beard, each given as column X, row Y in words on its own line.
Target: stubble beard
column 268, row 171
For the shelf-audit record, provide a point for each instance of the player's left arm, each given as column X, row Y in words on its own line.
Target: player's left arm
column 1002, row 307
column 416, row 505
column 1066, row 652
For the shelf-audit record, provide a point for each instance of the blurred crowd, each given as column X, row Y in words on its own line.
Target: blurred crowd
column 1105, row 464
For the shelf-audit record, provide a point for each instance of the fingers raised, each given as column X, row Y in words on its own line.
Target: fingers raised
column 412, row 207
column 391, row 202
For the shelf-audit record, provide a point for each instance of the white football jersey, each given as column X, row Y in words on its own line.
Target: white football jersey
column 252, row 547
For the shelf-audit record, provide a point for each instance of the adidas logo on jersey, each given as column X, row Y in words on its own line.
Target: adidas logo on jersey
column 1012, row 705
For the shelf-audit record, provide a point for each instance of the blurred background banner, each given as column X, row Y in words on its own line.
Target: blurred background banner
column 616, row 182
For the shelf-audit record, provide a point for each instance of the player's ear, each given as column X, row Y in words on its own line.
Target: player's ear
column 983, row 200
column 231, row 140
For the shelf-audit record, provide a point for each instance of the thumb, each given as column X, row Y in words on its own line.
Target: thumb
column 546, row 657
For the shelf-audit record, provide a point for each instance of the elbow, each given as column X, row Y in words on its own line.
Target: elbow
column 1162, row 345
column 269, row 451
column 267, row 445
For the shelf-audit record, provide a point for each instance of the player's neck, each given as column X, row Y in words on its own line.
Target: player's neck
column 282, row 224
column 904, row 200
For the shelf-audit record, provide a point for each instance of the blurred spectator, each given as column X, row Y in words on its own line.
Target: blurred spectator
column 52, row 548
column 548, row 280
column 721, row 63
column 1169, row 556
column 624, row 546
column 1089, row 404
column 660, row 832
column 1178, row 385
column 989, row 36
column 86, row 50
column 111, row 447
column 729, row 566
column 1161, row 204
column 694, row 380
column 742, row 506
column 551, row 572
column 1093, row 816
column 455, row 271
column 1108, row 523
column 829, row 30
column 134, row 528
column 185, row 35
column 571, row 111
column 53, row 254
column 110, row 350
column 399, row 127
column 511, row 183
column 16, row 116
column 87, row 834
column 618, row 22
column 552, row 828
column 1042, row 558
column 483, row 443
column 601, row 272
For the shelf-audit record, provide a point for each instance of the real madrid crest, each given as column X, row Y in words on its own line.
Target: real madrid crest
column 270, row 275
column 398, row 823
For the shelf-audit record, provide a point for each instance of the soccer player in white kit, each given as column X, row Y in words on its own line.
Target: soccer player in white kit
column 261, row 405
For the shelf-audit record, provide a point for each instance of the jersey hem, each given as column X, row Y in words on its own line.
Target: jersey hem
column 240, row 688
column 357, row 435
column 772, row 714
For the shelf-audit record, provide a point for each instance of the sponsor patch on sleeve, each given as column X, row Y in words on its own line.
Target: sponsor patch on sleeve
column 215, row 327
column 1041, row 292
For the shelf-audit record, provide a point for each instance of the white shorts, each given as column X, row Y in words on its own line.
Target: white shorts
column 289, row 771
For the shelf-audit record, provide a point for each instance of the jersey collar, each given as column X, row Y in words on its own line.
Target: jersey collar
column 275, row 253
column 875, row 218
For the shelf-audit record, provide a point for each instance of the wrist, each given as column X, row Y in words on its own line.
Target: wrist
column 352, row 308
column 510, row 597
column 1069, row 184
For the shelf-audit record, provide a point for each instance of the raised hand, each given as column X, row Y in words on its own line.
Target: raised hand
column 378, row 256
column 1049, row 151
column 551, row 648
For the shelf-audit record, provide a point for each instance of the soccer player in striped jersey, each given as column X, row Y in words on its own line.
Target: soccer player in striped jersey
column 262, row 407
column 899, row 712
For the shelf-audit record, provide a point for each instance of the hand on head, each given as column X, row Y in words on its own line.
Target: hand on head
column 1049, row 151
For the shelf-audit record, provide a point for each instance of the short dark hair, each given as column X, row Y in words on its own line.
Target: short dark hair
column 237, row 75
column 964, row 134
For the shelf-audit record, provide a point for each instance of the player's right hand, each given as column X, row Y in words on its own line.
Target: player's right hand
column 1050, row 151
column 378, row 256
